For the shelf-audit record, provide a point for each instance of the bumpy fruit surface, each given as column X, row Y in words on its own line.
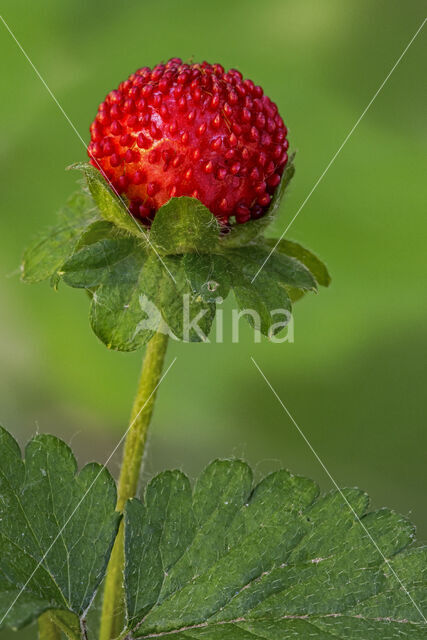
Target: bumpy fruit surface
column 190, row 130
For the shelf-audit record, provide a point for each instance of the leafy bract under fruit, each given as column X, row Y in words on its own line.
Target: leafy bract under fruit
column 171, row 277
column 273, row 561
column 57, row 528
column 45, row 256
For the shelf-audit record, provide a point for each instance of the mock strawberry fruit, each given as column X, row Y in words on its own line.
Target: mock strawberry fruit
column 190, row 130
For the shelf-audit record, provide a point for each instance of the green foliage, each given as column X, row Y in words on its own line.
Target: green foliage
column 225, row 559
column 133, row 291
column 57, row 528
column 208, row 274
column 171, row 277
column 110, row 206
column 44, row 257
column 100, row 252
column 184, row 225
column 275, row 560
column 305, row 257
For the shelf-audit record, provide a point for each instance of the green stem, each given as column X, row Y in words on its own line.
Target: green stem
column 112, row 617
column 47, row 629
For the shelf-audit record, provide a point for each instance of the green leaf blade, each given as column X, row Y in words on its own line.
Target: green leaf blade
column 264, row 301
column 118, row 310
column 44, row 257
column 295, row 250
column 99, row 254
column 170, row 523
column 135, row 293
column 287, row 270
column 186, row 316
column 208, row 275
column 276, row 560
column 57, row 528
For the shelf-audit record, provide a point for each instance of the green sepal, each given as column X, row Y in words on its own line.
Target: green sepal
column 242, row 234
column 99, row 256
column 134, row 293
column 267, row 298
column 137, row 287
column 208, row 274
column 141, row 280
column 287, row 270
column 44, row 257
column 184, row 225
column 288, row 248
column 166, row 285
column 111, row 205
column 117, row 310
column 96, row 231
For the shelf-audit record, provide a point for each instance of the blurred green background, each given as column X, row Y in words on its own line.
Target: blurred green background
column 355, row 377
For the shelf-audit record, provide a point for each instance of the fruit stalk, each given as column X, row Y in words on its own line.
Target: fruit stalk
column 113, row 603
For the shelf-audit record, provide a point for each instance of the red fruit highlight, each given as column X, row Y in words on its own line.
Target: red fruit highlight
column 190, row 130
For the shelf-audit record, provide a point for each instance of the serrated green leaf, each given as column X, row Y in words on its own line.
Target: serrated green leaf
column 96, row 231
column 99, row 256
column 286, row 270
column 118, row 311
column 57, row 528
column 168, row 288
column 295, row 294
column 306, row 257
column 273, row 561
column 110, row 206
column 140, row 295
column 208, row 275
column 169, row 524
column 268, row 300
column 266, row 295
column 184, row 225
column 242, row 234
column 46, row 254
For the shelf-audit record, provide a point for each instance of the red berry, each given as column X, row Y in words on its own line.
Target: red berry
column 191, row 130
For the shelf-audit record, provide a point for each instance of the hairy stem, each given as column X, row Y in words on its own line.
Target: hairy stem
column 47, row 629
column 113, row 604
